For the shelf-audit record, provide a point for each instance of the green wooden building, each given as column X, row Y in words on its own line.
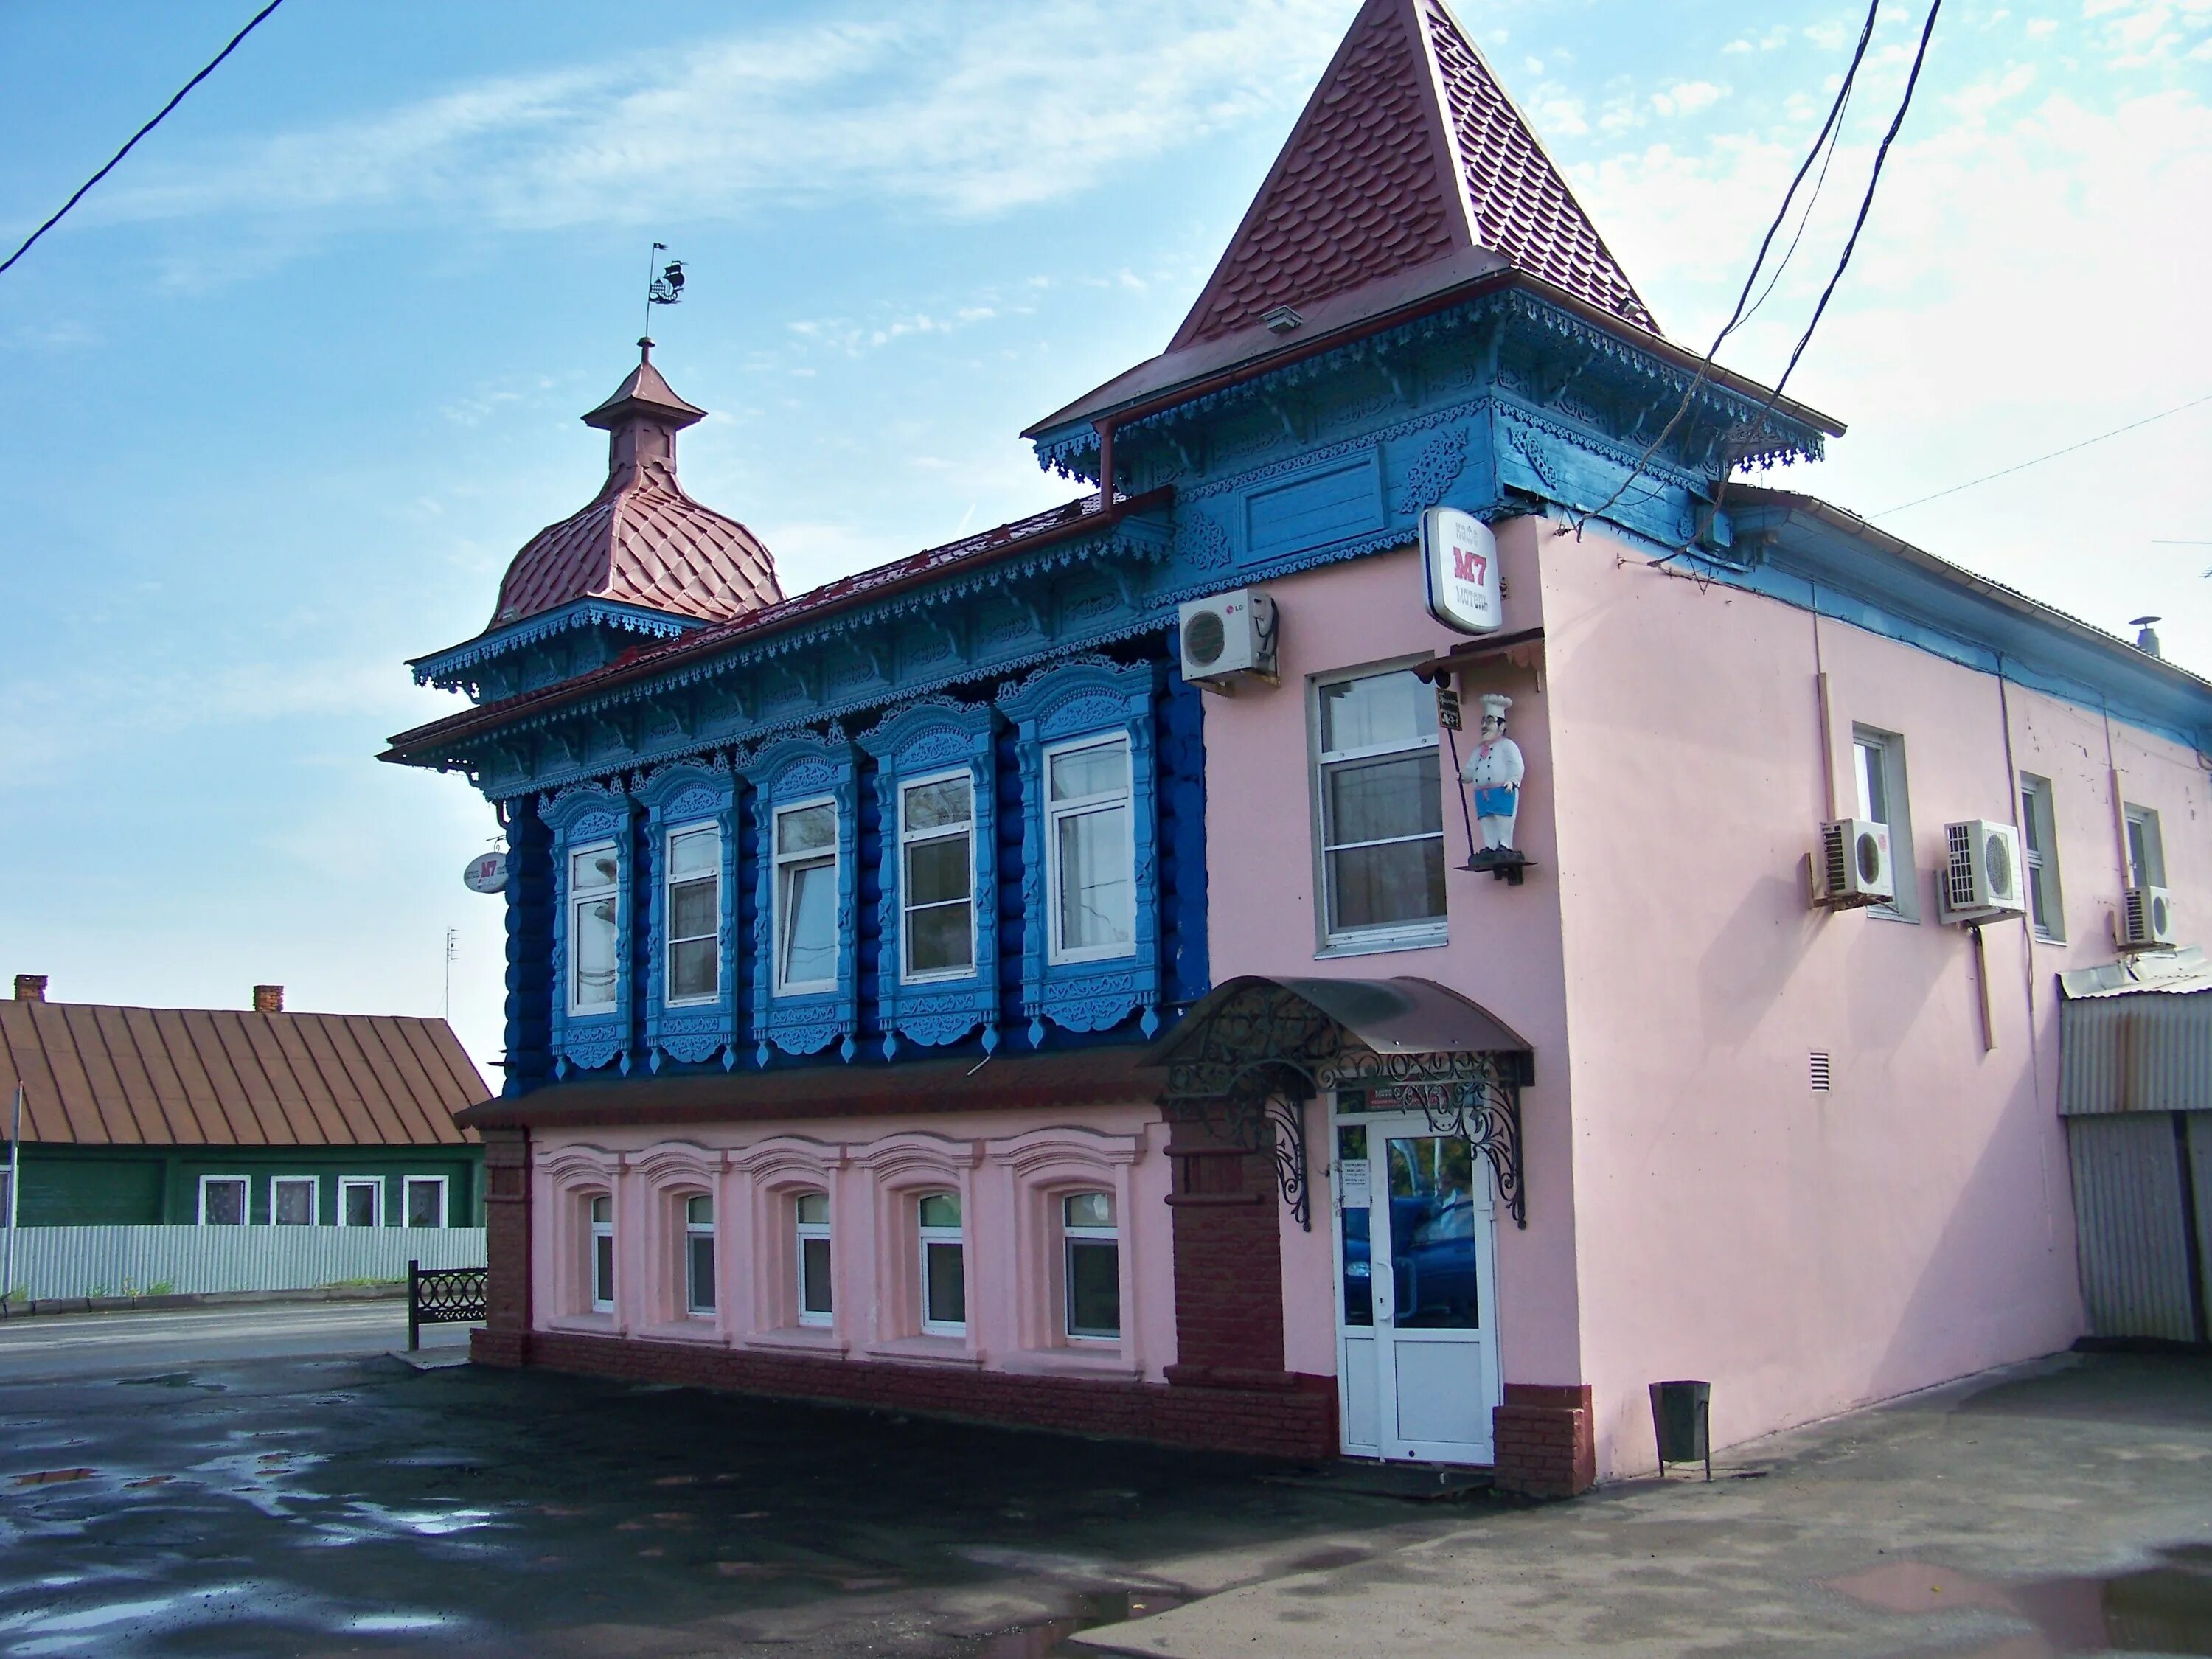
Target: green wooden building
column 236, row 1117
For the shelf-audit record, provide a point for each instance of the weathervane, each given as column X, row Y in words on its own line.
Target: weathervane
column 666, row 289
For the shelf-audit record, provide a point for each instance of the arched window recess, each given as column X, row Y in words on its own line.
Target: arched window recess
column 1243, row 1063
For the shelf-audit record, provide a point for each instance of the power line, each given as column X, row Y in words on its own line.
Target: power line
column 2022, row 466
column 1751, row 277
column 82, row 189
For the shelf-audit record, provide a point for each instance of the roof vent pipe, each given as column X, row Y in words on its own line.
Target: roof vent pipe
column 30, row 987
column 2146, row 635
column 268, row 998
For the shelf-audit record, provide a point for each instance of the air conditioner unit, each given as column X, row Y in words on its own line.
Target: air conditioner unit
column 1983, row 876
column 1851, row 867
column 2145, row 920
column 1227, row 637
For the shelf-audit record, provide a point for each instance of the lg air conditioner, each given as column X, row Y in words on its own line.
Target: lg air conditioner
column 1983, row 877
column 1851, row 867
column 1228, row 637
column 2145, row 920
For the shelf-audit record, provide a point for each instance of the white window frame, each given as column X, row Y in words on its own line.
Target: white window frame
column 245, row 1204
column 1072, row 1237
column 2039, row 851
column 1889, row 749
column 594, row 1231
column 669, row 885
column 940, row 1238
column 375, row 1184
column 2142, row 824
column 314, row 1185
column 1056, row 952
column 693, row 1233
column 909, row 839
column 801, row 1231
column 1433, row 930
column 781, row 862
column 407, row 1209
column 577, row 898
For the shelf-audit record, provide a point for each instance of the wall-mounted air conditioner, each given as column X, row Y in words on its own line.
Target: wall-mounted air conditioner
column 2144, row 920
column 1228, row 637
column 1984, row 879
column 1850, row 866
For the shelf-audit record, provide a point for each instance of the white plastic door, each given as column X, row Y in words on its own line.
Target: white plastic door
column 1417, row 1349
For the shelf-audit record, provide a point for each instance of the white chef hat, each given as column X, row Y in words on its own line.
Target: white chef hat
column 1494, row 705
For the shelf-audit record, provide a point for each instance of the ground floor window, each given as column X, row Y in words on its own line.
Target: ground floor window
column 812, row 1237
column 426, row 1200
column 944, row 1266
column 361, row 1201
column 602, row 1254
column 291, row 1200
column 699, row 1255
column 1092, row 1252
column 222, row 1200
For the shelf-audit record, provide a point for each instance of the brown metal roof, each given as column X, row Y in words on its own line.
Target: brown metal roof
column 99, row 1075
column 1080, row 1077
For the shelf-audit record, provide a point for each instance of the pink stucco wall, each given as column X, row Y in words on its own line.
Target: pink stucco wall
column 1695, row 1209
column 1009, row 1168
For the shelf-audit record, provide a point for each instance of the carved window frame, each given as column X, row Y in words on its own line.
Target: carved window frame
column 1089, row 698
column 772, row 1174
column 570, row 1177
column 579, row 817
column 663, row 1177
column 679, row 797
column 1040, row 1169
column 903, row 1168
column 936, row 738
column 788, row 772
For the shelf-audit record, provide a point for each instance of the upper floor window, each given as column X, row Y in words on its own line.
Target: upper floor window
column 2146, row 850
column 944, row 1265
column 594, row 916
column 937, row 876
column 2038, row 833
column 602, row 1264
column 694, row 913
column 806, row 897
column 1093, row 1252
column 811, row 1228
column 1382, row 810
column 699, row 1254
column 1878, row 767
column 1088, row 857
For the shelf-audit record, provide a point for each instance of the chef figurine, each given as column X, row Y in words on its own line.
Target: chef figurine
column 1494, row 772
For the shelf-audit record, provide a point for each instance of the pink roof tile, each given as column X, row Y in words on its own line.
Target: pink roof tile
column 1407, row 151
column 642, row 541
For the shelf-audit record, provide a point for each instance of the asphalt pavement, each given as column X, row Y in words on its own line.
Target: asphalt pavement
column 53, row 1346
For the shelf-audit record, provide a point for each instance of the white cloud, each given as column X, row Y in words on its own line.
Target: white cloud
column 1687, row 98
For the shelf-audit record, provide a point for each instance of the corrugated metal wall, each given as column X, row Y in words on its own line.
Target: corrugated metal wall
column 2128, row 1213
column 2150, row 1051
column 2200, row 1164
column 70, row 1261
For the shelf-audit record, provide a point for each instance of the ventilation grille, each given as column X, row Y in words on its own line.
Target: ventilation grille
column 1836, row 853
column 1959, row 844
column 1817, row 1070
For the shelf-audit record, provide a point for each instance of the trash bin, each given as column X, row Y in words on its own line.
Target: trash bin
column 1681, row 1420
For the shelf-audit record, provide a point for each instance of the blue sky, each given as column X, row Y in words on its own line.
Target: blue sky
column 287, row 392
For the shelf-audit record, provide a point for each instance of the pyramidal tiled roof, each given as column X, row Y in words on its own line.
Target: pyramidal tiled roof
column 642, row 541
column 1409, row 150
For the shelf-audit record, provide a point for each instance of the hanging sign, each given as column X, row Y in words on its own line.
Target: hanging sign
column 1459, row 559
column 1448, row 714
column 486, row 873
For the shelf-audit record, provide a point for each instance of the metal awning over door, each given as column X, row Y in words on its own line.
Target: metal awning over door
column 1249, row 1055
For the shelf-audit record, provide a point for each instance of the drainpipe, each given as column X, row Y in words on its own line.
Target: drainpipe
column 1105, row 429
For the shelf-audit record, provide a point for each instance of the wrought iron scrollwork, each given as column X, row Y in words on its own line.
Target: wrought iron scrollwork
column 1475, row 1097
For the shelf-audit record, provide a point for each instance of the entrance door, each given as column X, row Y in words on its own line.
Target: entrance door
column 1416, row 1311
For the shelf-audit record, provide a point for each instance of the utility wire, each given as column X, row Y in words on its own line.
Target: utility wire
column 82, row 189
column 1751, row 277
column 2006, row 473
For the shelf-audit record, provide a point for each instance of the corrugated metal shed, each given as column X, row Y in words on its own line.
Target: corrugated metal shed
column 2132, row 1224
column 2148, row 1049
column 100, row 1076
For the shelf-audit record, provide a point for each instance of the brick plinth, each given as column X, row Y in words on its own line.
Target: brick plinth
column 507, row 1249
column 1546, row 1445
column 1297, row 1422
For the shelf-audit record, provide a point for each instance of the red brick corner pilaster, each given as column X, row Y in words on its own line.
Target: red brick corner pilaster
column 1545, row 1444
column 505, row 1338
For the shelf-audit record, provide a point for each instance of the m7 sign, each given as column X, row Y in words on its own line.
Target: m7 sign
column 1459, row 560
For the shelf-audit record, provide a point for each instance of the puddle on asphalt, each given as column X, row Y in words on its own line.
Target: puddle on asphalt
column 2165, row 1607
column 1092, row 1610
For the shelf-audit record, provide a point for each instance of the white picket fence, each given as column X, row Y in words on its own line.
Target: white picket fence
column 54, row 1263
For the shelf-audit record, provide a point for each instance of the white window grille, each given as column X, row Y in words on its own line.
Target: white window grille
column 594, row 927
column 805, row 922
column 1089, row 854
column 811, row 1212
column 937, row 877
column 695, row 914
column 1092, row 1253
column 944, row 1265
